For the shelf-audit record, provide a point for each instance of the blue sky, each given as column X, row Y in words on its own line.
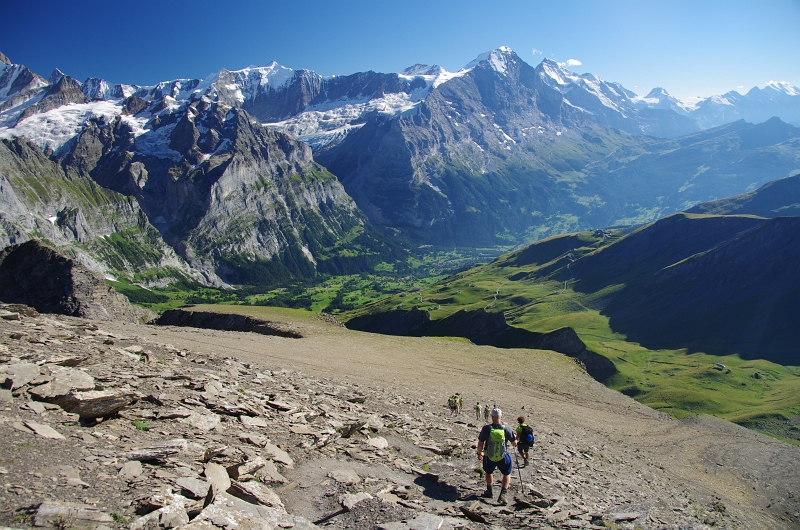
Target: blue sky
column 696, row 48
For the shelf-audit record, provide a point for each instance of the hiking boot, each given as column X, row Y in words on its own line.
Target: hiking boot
column 525, row 463
column 502, row 500
column 487, row 494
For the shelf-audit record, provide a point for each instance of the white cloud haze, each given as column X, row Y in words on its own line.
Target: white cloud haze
column 570, row 62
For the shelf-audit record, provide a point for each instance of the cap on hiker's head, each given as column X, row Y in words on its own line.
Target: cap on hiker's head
column 496, row 413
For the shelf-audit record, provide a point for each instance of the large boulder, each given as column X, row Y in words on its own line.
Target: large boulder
column 40, row 276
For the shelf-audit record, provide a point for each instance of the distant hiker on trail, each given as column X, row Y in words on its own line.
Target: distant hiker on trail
column 493, row 437
column 453, row 404
column 460, row 403
column 486, row 410
column 525, row 438
column 478, row 411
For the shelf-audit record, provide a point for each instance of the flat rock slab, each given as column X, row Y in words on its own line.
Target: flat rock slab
column 64, row 381
column 624, row 516
column 79, row 515
column 282, row 406
column 278, row 455
column 345, row 476
column 217, row 478
column 424, row 521
column 130, row 470
column 230, row 512
column 250, row 421
column 193, row 487
column 45, row 431
column 173, row 414
column 96, row 403
column 20, row 374
column 378, row 442
column 202, row 422
column 302, row 429
column 255, row 493
column 349, row 500
column 158, row 451
column 270, row 474
column 35, row 406
column 248, row 469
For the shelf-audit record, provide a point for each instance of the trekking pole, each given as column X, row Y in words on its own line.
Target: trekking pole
column 516, row 457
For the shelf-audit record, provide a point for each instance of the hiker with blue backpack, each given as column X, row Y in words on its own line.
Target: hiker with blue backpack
column 493, row 439
column 525, row 438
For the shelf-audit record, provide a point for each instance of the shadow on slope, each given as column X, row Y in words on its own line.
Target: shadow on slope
column 720, row 285
column 484, row 329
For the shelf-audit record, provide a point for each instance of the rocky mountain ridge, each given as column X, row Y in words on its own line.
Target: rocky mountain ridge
column 226, row 199
column 499, row 151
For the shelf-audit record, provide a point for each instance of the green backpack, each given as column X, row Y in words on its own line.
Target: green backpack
column 496, row 445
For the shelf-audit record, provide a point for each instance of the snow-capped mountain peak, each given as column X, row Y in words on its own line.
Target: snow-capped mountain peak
column 498, row 59
column 423, row 69
column 273, row 75
column 55, row 77
column 783, row 86
column 552, row 73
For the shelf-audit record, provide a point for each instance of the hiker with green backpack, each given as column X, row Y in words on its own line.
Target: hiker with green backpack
column 493, row 438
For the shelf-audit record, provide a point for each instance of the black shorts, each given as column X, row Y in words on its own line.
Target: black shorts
column 523, row 447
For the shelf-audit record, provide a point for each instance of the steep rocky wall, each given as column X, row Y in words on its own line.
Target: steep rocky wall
column 39, row 276
column 487, row 329
column 224, row 322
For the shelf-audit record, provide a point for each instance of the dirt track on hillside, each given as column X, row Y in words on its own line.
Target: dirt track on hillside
column 752, row 475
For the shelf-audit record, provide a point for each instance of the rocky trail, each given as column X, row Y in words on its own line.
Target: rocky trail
column 111, row 425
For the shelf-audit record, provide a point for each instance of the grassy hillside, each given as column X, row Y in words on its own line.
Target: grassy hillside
column 777, row 198
column 590, row 281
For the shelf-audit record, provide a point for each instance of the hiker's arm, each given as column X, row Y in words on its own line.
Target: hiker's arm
column 480, row 450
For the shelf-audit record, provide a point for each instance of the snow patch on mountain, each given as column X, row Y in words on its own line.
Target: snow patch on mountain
column 53, row 129
column 784, row 87
column 100, row 89
column 321, row 124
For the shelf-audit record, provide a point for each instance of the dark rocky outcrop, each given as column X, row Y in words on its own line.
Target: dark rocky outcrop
column 39, row 276
column 66, row 91
column 224, row 322
column 485, row 329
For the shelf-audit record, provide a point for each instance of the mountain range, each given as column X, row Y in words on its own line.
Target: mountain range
column 264, row 174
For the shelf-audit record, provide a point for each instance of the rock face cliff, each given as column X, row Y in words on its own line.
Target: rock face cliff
column 39, row 276
column 179, row 178
column 235, row 199
column 105, row 230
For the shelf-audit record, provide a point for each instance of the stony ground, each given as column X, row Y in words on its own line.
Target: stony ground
column 111, row 425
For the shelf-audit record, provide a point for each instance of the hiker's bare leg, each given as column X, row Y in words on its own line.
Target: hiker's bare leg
column 506, row 482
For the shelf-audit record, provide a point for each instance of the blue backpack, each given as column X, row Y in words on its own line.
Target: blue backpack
column 526, row 434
